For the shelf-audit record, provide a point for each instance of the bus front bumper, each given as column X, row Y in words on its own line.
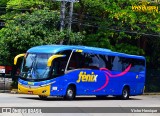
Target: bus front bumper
column 45, row 90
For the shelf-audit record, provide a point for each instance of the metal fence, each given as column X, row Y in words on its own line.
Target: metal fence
column 152, row 81
column 5, row 83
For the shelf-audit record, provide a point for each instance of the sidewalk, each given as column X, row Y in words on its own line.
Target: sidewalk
column 15, row 91
column 5, row 91
column 152, row 93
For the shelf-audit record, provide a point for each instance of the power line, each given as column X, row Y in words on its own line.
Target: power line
column 15, row 9
column 111, row 29
column 76, row 14
column 100, row 19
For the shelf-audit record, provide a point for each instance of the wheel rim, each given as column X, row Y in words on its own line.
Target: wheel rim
column 125, row 93
column 70, row 93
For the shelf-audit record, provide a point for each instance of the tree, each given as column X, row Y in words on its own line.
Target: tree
column 3, row 2
column 26, row 30
column 113, row 24
column 25, row 4
column 117, row 23
column 109, row 24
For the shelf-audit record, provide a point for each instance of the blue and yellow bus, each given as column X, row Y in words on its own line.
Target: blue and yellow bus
column 70, row 71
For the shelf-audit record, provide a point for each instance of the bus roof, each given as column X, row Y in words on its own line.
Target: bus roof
column 57, row 48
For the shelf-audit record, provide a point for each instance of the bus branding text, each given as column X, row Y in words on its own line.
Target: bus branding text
column 87, row 77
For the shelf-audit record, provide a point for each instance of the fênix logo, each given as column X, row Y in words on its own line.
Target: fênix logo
column 84, row 77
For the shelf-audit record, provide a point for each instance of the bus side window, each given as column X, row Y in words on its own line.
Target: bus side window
column 105, row 62
column 72, row 63
column 125, row 63
column 137, row 65
column 116, row 64
column 93, row 61
column 59, row 64
column 102, row 61
column 77, row 61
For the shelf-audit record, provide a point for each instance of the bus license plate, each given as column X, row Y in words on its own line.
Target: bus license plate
column 30, row 92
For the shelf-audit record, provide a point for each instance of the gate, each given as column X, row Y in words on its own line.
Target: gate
column 5, row 78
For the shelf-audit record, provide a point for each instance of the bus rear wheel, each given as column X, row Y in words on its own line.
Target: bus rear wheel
column 125, row 93
column 42, row 97
column 70, row 93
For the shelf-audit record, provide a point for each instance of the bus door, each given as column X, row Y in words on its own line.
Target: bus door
column 57, row 70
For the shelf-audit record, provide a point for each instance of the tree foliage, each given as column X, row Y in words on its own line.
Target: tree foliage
column 114, row 24
column 24, row 4
column 26, row 30
column 3, row 2
column 109, row 24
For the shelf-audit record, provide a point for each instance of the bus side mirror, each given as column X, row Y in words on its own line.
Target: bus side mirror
column 16, row 58
column 52, row 58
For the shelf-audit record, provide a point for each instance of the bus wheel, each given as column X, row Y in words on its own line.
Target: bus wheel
column 125, row 93
column 42, row 97
column 70, row 93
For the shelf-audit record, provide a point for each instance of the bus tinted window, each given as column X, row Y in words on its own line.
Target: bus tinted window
column 93, row 61
column 75, row 61
column 83, row 60
column 102, row 61
column 116, row 63
column 59, row 64
column 97, row 61
column 137, row 65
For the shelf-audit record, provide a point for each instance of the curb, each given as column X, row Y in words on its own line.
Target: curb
column 14, row 91
column 4, row 91
column 154, row 93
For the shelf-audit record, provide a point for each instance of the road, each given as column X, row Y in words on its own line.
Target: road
column 21, row 100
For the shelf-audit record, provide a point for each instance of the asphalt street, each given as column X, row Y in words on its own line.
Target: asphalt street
column 21, row 100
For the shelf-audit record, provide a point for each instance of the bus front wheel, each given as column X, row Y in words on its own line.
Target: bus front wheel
column 70, row 93
column 125, row 93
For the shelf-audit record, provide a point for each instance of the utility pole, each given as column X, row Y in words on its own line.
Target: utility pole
column 70, row 16
column 66, row 15
column 63, row 15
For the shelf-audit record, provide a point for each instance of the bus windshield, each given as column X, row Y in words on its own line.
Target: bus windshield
column 35, row 66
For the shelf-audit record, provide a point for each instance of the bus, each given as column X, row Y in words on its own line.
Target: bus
column 69, row 71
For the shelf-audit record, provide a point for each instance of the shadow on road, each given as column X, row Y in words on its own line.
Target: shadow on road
column 76, row 99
